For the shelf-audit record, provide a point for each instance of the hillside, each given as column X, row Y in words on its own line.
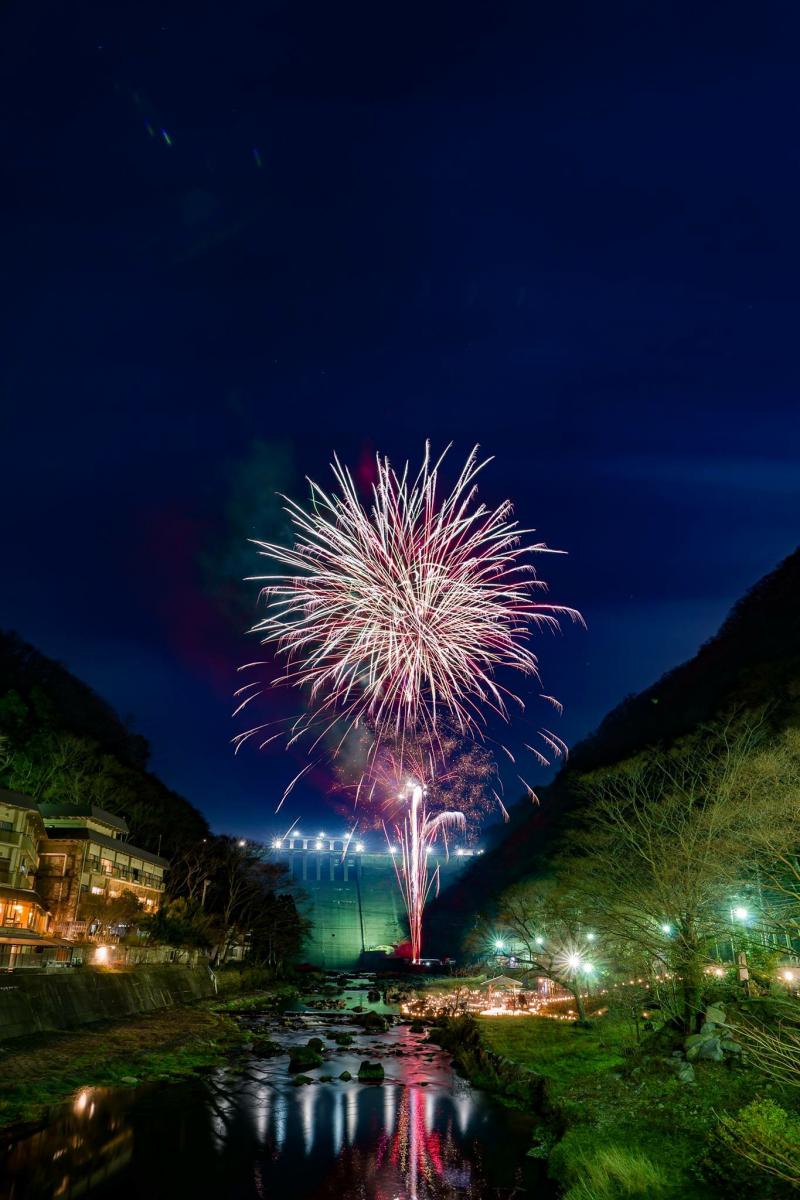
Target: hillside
column 753, row 661
column 60, row 741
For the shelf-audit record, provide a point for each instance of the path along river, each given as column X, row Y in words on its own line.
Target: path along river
column 246, row 1131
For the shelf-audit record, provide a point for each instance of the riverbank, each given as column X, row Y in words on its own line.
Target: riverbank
column 41, row 1070
column 619, row 1122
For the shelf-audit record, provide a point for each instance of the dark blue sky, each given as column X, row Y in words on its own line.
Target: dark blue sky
column 237, row 237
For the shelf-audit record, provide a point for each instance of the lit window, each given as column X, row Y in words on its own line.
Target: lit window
column 97, row 891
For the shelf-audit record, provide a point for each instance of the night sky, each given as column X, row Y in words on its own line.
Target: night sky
column 237, row 237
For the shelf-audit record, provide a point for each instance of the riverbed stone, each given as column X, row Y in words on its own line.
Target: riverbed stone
column 303, row 1058
column 345, row 1076
column 300, row 1080
column 371, row 1072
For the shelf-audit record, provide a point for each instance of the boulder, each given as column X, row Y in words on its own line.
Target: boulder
column 342, row 1039
column 302, row 1058
column 266, row 1048
column 299, row 1080
column 711, row 1050
column 316, row 1044
column 371, row 1072
column 345, row 1076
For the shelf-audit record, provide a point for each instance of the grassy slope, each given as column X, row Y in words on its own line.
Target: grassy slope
column 632, row 1128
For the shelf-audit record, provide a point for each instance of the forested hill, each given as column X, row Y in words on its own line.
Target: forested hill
column 754, row 659
column 752, row 662
column 60, row 741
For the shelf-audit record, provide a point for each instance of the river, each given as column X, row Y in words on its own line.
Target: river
column 245, row 1130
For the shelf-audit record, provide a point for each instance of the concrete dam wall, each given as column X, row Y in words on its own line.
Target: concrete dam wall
column 44, row 1003
column 352, row 897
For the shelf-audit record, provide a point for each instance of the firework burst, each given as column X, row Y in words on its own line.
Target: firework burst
column 401, row 613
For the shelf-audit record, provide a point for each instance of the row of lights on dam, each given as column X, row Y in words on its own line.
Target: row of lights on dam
column 359, row 847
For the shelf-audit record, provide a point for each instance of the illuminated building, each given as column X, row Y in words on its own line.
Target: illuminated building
column 84, row 853
column 25, row 924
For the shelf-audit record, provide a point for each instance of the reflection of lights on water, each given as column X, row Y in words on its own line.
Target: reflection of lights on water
column 280, row 1121
column 337, row 1124
column 263, row 1106
column 81, row 1100
column 389, row 1107
column 307, row 1104
column 430, row 1111
column 352, row 1116
column 463, row 1107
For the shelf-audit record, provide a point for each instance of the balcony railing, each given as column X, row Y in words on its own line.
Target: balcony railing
column 16, row 837
column 143, row 878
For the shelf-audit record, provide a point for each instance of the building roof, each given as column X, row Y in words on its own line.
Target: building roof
column 502, row 981
column 27, row 938
column 17, row 800
column 80, row 833
column 7, row 892
column 53, row 810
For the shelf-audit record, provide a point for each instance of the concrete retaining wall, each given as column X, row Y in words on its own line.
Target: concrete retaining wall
column 46, row 1003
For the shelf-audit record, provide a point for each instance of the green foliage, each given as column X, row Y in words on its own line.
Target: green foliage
column 756, row 1152
column 183, row 925
column 604, row 1093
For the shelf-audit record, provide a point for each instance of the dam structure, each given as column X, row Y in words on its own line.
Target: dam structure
column 348, row 887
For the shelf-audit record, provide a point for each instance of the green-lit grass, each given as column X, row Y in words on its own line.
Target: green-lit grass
column 631, row 1128
column 278, row 996
column 559, row 1050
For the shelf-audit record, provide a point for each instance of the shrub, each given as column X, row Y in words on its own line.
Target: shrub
column 757, row 1152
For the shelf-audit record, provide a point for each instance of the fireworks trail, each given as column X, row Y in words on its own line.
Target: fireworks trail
column 401, row 613
column 420, row 792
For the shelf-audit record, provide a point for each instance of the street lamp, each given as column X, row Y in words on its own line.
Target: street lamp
column 741, row 913
column 666, row 928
